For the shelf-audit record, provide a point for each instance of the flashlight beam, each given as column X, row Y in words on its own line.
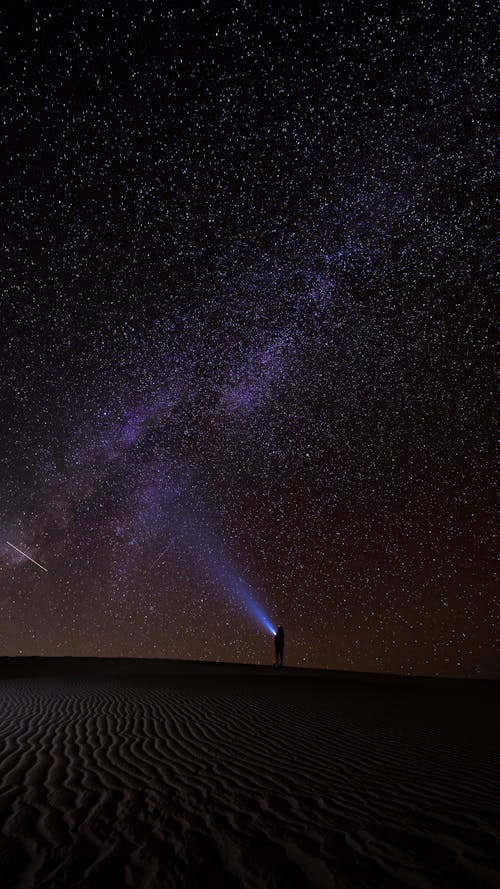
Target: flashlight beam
column 26, row 556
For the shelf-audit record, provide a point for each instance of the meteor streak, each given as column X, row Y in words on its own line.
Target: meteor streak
column 159, row 557
column 26, row 556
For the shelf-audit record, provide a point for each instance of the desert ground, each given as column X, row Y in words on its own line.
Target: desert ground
column 131, row 773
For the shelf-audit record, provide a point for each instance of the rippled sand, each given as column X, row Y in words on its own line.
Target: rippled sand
column 160, row 774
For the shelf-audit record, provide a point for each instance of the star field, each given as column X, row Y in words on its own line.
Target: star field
column 248, row 314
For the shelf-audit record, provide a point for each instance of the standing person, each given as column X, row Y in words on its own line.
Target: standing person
column 279, row 644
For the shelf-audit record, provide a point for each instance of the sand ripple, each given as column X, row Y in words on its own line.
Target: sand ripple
column 155, row 784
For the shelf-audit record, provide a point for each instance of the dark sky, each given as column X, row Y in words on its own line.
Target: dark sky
column 247, row 322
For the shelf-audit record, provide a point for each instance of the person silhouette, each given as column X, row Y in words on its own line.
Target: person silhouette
column 279, row 644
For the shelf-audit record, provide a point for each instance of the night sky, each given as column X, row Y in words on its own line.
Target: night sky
column 247, row 333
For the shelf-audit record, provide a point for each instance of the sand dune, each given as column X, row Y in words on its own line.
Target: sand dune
column 157, row 774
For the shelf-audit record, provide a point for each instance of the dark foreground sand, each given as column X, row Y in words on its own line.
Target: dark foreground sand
column 159, row 774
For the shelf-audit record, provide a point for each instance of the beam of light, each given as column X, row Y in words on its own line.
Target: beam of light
column 207, row 553
column 230, row 581
column 26, row 556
